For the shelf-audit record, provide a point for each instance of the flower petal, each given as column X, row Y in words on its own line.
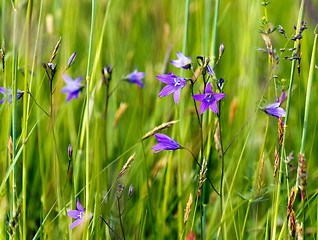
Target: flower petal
column 214, row 107
column 167, row 90
column 67, row 79
column 176, row 96
column 198, row 97
column 166, row 78
column 208, row 88
column 218, row 96
column 276, row 112
column 76, row 222
column 73, row 213
column 79, row 206
column 204, row 106
column 3, row 90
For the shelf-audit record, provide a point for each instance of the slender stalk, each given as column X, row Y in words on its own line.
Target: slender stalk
column 292, row 73
column 25, row 125
column 109, row 226
column 14, row 102
column 196, row 160
column 88, row 73
column 121, row 224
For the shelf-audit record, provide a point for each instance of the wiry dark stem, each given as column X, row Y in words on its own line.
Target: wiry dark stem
column 112, row 91
column 110, row 227
column 38, row 104
column 235, row 137
column 200, row 168
column 121, row 224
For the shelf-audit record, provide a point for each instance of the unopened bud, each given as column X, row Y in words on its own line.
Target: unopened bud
column 51, row 66
column 221, row 50
column 70, row 151
column 44, row 65
column 107, row 72
column 71, row 60
column 131, row 190
column 120, row 191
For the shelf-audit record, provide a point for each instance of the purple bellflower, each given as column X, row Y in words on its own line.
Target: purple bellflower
column 78, row 215
column 182, row 62
column 135, row 77
column 209, row 99
column 165, row 143
column 274, row 109
column 72, row 88
column 174, row 86
column 7, row 92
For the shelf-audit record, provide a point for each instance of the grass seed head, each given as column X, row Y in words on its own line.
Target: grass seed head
column 202, row 176
column 276, row 164
column 292, row 224
column 127, row 165
column 158, row 129
column 188, row 209
column 302, row 174
column 119, row 113
column 291, row 202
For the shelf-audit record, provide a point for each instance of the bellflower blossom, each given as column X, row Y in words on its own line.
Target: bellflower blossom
column 209, row 99
column 182, row 62
column 174, row 86
column 135, row 77
column 165, row 143
column 72, row 88
column 7, row 92
column 78, row 215
column 274, row 109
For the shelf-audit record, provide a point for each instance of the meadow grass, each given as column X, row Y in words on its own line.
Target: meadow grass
column 111, row 125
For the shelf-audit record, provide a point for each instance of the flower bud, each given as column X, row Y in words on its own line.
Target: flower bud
column 70, row 151
column 44, row 65
column 221, row 50
column 107, row 73
column 51, row 66
column 131, row 190
column 71, row 60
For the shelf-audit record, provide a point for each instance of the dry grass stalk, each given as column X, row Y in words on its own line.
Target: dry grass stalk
column 202, row 176
column 119, row 113
column 292, row 224
column 276, row 164
column 260, row 173
column 232, row 111
column 299, row 229
column 196, row 75
column 280, row 133
column 55, row 50
column 302, row 174
column 188, row 209
column 127, row 165
column 291, row 202
column 10, row 148
column 217, row 139
column 158, row 129
column 3, row 53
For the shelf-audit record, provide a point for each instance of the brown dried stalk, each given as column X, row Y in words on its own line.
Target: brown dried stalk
column 158, row 129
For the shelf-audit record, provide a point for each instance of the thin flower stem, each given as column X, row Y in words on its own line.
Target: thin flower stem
column 88, row 75
column 110, row 227
column 182, row 147
column 38, row 104
column 119, row 213
column 112, row 91
column 105, row 119
column 227, row 148
column 25, row 122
